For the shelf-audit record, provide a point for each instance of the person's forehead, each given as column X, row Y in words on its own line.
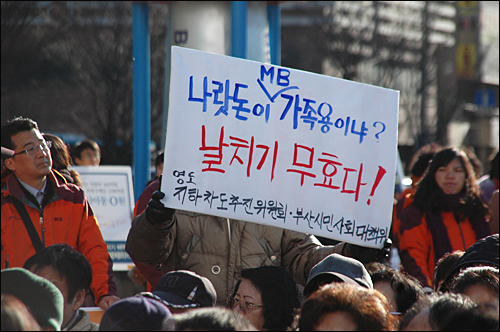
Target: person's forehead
column 420, row 322
column 89, row 150
column 480, row 293
column 51, row 274
column 386, row 289
column 336, row 321
column 248, row 289
column 455, row 162
column 26, row 137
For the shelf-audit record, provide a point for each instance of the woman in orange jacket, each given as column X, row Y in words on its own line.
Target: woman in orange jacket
column 418, row 166
column 447, row 214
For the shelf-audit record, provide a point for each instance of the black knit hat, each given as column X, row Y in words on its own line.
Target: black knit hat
column 483, row 252
column 135, row 313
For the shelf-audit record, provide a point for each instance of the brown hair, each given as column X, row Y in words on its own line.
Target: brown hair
column 407, row 288
column 59, row 152
column 476, row 275
column 444, row 266
column 368, row 308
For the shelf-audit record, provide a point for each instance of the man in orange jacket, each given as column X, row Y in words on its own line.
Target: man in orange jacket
column 54, row 211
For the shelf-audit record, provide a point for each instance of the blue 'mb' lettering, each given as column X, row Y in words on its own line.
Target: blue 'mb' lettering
column 265, row 72
column 282, row 76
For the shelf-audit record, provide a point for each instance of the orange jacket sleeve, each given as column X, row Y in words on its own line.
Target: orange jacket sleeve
column 92, row 245
column 415, row 243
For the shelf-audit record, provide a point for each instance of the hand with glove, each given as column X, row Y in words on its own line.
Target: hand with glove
column 156, row 212
column 367, row 255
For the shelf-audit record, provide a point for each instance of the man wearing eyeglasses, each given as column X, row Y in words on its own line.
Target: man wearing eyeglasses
column 39, row 208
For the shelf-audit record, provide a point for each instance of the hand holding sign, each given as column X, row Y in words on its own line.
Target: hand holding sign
column 367, row 255
column 156, row 212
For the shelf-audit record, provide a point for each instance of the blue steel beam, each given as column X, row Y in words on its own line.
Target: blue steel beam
column 239, row 29
column 142, row 97
column 166, row 86
column 274, row 19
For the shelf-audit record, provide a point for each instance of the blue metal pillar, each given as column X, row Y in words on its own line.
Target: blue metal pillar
column 166, row 86
column 142, row 97
column 274, row 18
column 239, row 29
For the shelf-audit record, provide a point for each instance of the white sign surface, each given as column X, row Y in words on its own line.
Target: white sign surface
column 281, row 147
column 109, row 190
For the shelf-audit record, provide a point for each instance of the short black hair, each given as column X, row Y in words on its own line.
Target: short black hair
column 279, row 294
column 15, row 126
column 421, row 165
column 83, row 145
column 474, row 319
column 446, row 306
column 444, row 266
column 160, row 158
column 442, row 307
column 70, row 264
column 476, row 275
column 422, row 304
column 422, row 158
column 407, row 288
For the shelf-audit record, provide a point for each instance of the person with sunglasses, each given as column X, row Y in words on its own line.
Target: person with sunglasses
column 39, row 208
column 267, row 296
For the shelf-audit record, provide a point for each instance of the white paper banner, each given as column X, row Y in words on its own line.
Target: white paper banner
column 109, row 190
column 281, row 147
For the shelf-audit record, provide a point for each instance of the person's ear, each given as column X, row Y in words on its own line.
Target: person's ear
column 79, row 299
column 10, row 164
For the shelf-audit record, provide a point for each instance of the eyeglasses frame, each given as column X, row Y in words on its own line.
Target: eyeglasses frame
column 45, row 146
column 232, row 302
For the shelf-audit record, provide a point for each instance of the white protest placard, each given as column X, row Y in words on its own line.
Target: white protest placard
column 110, row 192
column 280, row 147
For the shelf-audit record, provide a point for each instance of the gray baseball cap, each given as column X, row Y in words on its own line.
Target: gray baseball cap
column 346, row 269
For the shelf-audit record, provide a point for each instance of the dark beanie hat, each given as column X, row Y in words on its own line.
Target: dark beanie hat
column 40, row 295
column 482, row 253
column 136, row 313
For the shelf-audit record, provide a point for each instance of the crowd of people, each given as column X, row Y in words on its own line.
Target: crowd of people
column 202, row 272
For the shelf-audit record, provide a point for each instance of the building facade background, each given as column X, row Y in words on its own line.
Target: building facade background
column 68, row 65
